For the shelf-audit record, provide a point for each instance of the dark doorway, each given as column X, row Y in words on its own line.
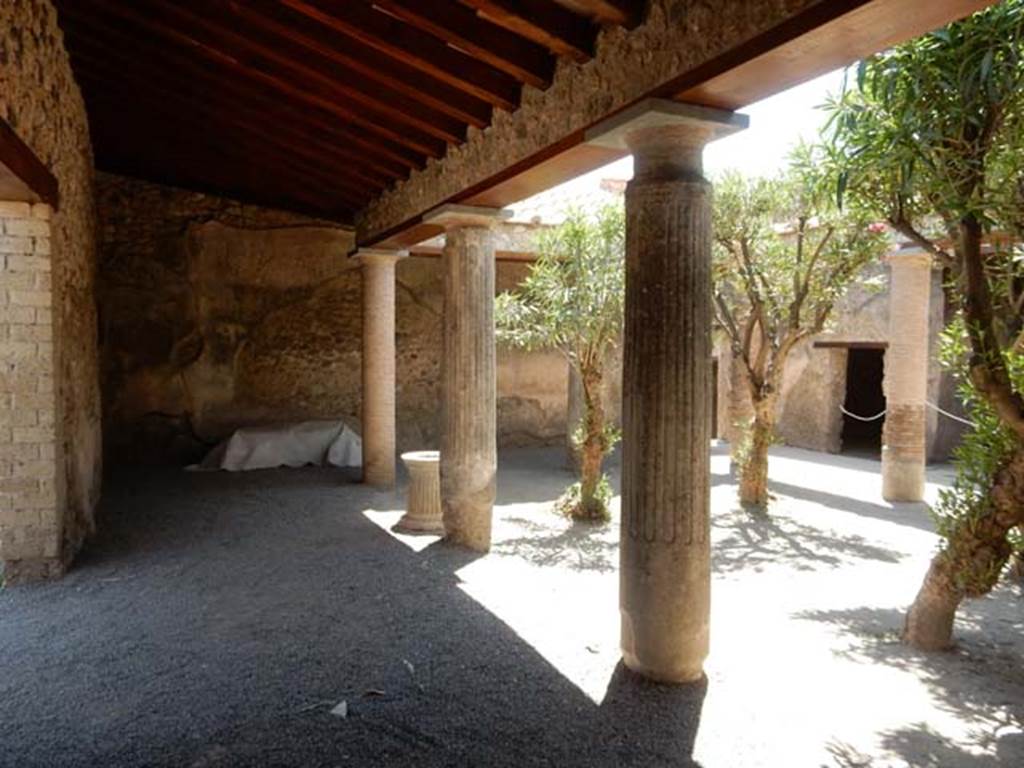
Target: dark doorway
column 864, row 398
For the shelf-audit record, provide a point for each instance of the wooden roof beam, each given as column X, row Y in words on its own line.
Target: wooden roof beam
column 365, row 61
column 413, row 47
column 411, row 138
column 224, row 31
column 214, row 76
column 625, row 13
column 459, row 26
column 180, row 149
column 556, row 28
column 22, row 174
column 99, row 85
column 110, row 68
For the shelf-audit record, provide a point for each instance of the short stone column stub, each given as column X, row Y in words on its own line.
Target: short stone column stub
column 469, row 454
column 906, row 376
column 378, row 268
column 423, row 505
column 665, row 568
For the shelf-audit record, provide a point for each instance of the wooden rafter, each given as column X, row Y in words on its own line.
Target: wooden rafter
column 320, row 103
column 413, row 47
column 551, row 25
column 459, row 26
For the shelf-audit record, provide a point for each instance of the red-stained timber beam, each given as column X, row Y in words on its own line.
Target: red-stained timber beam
column 362, row 61
column 459, row 26
column 20, row 164
column 414, row 48
column 547, row 23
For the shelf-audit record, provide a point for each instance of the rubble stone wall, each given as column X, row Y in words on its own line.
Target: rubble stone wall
column 41, row 102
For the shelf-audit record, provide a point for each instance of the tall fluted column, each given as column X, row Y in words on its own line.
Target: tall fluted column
column 665, row 569
column 379, row 365
column 469, row 453
column 906, row 376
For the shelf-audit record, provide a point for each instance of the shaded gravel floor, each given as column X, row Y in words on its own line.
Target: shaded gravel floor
column 218, row 618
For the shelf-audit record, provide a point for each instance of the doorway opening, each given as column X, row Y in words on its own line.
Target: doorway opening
column 865, row 399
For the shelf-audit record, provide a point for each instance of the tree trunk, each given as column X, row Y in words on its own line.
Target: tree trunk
column 970, row 562
column 593, row 448
column 753, row 467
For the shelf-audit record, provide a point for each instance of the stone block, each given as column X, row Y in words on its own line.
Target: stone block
column 32, row 434
column 42, row 211
column 17, row 315
column 16, row 351
column 34, row 333
column 32, row 400
column 32, row 569
column 18, row 417
column 27, row 227
column 42, row 246
column 13, row 244
column 30, row 298
column 18, row 281
column 14, row 210
column 18, row 263
column 19, row 452
column 34, row 470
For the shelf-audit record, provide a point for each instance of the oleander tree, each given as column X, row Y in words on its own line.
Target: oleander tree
column 572, row 301
column 784, row 254
column 930, row 136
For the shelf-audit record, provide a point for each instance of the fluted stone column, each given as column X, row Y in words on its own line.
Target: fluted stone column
column 469, row 454
column 906, row 376
column 665, row 569
column 378, row 268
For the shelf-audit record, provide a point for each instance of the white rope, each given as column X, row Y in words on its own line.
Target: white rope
column 862, row 418
column 952, row 416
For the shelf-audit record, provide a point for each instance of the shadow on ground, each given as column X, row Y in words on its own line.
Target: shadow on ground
column 752, row 540
column 219, row 618
column 984, row 651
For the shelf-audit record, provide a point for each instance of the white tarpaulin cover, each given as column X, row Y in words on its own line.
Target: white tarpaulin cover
column 321, row 443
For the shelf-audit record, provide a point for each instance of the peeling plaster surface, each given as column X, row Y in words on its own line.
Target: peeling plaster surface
column 218, row 315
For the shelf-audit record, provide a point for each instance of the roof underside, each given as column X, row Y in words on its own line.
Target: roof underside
column 310, row 105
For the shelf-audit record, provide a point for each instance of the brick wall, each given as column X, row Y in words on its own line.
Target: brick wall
column 31, row 529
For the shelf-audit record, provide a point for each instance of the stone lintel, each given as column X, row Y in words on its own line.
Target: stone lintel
column 452, row 216
column 378, row 255
column 707, row 123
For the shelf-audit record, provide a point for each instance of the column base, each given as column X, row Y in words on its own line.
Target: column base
column 903, row 479
column 32, row 570
column 659, row 656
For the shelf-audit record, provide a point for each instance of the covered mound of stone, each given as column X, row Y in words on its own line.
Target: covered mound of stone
column 320, row 443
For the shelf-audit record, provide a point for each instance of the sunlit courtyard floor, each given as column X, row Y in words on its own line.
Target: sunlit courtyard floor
column 220, row 618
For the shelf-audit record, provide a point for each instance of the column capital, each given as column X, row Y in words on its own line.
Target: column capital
column 452, row 216
column 655, row 121
column 379, row 255
column 912, row 255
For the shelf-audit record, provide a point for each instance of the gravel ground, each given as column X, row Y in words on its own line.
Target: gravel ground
column 219, row 618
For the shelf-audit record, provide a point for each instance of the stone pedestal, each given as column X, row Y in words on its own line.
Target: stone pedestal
column 906, row 376
column 665, row 569
column 423, row 506
column 379, row 366
column 469, row 457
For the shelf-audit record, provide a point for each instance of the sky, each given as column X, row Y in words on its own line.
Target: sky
column 776, row 124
